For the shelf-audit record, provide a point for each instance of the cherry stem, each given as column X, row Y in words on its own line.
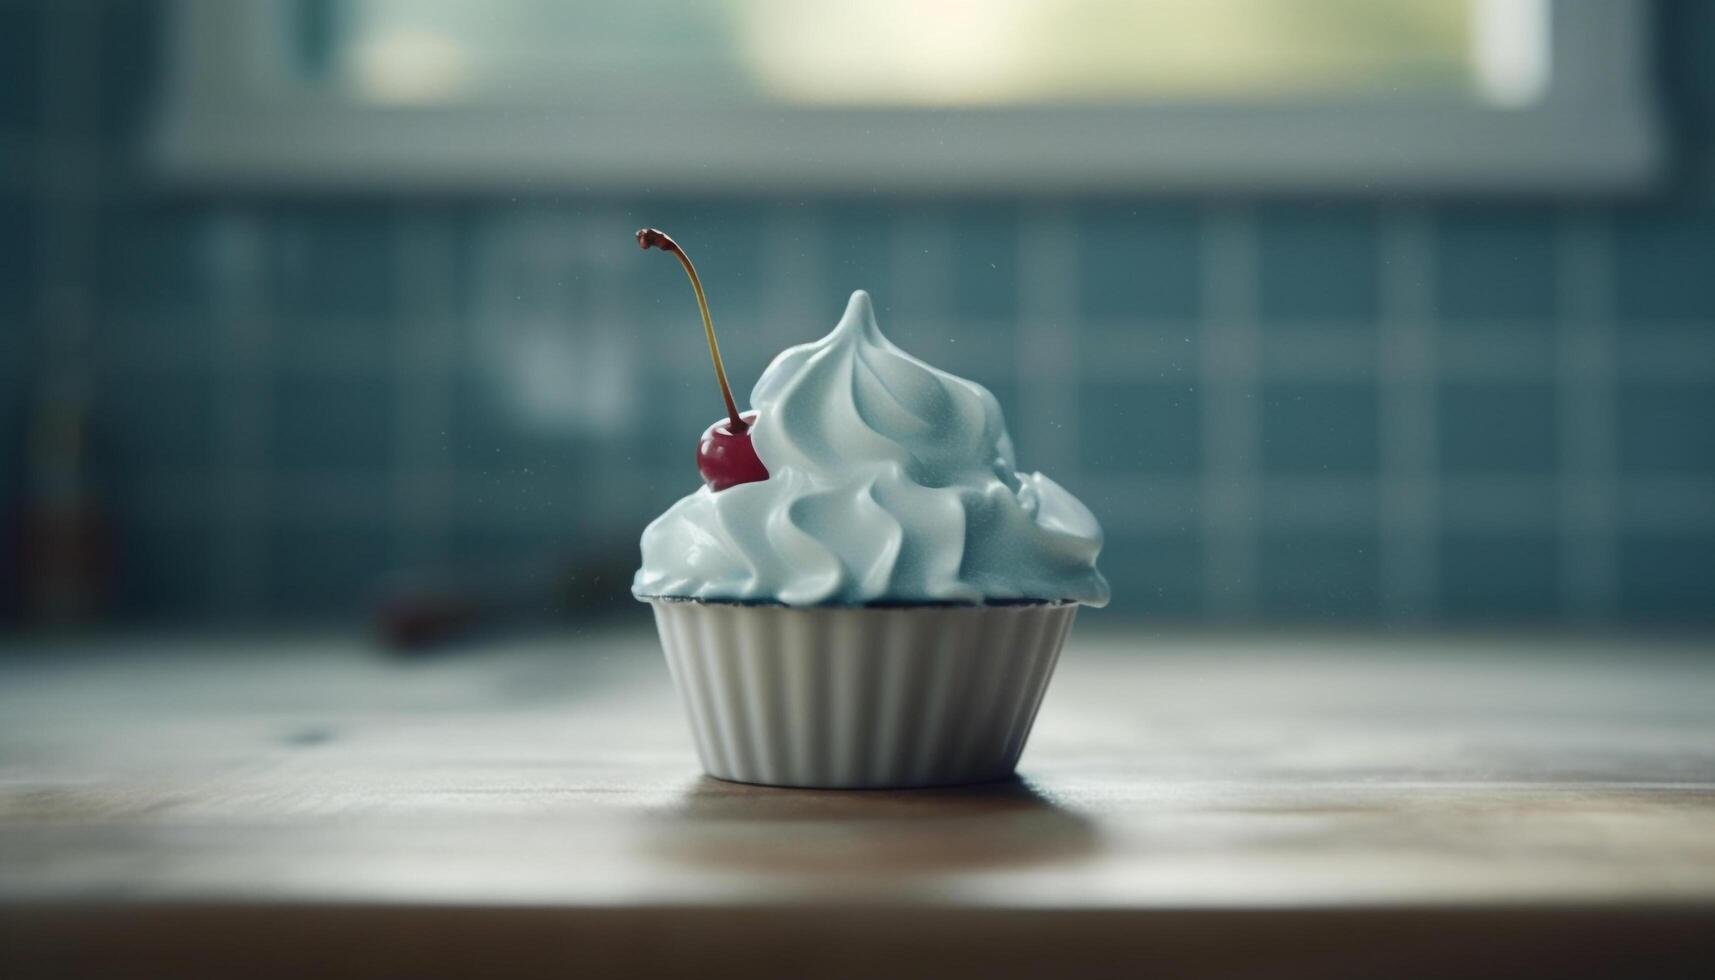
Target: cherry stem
column 648, row 238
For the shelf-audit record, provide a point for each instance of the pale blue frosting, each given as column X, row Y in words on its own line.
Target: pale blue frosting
column 889, row 481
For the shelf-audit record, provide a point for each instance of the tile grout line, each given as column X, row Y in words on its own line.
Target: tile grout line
column 794, row 253
column 66, row 195
column 921, row 268
column 604, row 249
column 66, row 191
column 1409, row 372
column 424, row 342
column 1325, row 355
column 244, row 394
column 1230, row 487
column 1047, row 354
column 1587, row 423
column 1486, row 504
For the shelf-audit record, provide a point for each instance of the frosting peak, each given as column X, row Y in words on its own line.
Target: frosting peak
column 890, row 481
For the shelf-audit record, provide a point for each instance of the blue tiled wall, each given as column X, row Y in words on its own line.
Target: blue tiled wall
column 1284, row 409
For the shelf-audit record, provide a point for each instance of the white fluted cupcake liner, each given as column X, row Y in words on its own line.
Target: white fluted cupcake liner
column 861, row 697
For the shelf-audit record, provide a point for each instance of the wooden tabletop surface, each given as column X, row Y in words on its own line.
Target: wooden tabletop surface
column 1225, row 805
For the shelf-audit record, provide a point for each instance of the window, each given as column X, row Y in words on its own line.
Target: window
column 1005, row 95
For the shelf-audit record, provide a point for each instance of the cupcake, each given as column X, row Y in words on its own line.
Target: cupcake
column 866, row 592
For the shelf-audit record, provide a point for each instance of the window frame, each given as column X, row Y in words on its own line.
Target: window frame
column 226, row 119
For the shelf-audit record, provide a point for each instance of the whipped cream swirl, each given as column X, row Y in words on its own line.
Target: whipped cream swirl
column 889, row 482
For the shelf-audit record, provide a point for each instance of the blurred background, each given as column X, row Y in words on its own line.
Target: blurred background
column 1334, row 312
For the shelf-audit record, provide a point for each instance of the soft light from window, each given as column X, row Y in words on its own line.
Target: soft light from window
column 906, row 53
column 1511, row 51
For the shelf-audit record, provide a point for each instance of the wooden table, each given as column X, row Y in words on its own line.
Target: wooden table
column 1190, row 805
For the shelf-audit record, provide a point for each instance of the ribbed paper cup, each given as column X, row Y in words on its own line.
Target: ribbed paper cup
column 861, row 697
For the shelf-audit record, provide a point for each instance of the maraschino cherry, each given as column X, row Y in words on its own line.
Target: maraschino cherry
column 725, row 456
